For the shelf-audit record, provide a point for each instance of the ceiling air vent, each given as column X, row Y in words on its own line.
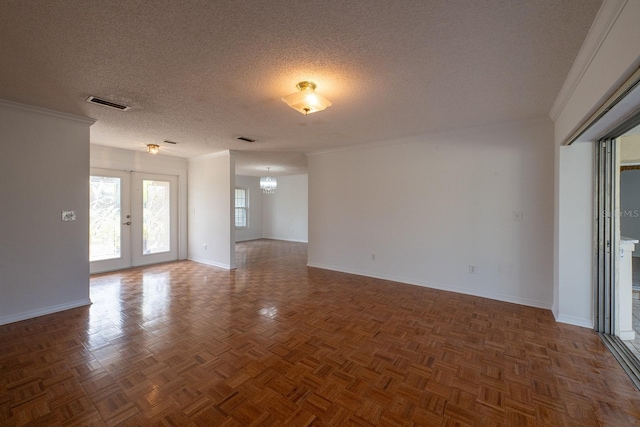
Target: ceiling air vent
column 245, row 139
column 166, row 141
column 100, row 101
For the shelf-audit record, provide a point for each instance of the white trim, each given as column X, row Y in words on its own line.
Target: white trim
column 292, row 240
column 602, row 25
column 628, row 335
column 47, row 112
column 576, row 321
column 44, row 311
column 211, row 263
column 440, row 286
column 283, row 239
column 512, row 124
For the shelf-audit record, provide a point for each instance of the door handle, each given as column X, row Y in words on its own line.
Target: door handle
column 126, row 223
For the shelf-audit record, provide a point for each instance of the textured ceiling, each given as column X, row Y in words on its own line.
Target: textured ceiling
column 204, row 72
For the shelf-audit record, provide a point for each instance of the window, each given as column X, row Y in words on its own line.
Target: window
column 242, row 208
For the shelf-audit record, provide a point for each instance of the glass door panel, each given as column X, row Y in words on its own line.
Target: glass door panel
column 108, row 220
column 155, row 218
column 104, row 216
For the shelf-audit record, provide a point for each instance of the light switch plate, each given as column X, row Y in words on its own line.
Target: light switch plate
column 68, row 215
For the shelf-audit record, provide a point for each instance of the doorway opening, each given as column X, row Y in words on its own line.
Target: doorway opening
column 629, row 194
column 616, row 239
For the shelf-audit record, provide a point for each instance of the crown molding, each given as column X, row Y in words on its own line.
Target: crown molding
column 602, row 25
column 212, row 155
column 46, row 112
column 459, row 132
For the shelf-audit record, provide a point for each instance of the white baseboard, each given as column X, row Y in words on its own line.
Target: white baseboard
column 284, row 239
column 628, row 335
column 212, row 263
column 571, row 320
column 575, row 321
column 43, row 311
column 440, row 286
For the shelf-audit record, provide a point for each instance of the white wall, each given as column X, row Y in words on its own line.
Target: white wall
column 430, row 207
column 286, row 213
column 573, row 302
column 609, row 55
column 44, row 170
column 139, row 161
column 254, row 231
column 211, row 209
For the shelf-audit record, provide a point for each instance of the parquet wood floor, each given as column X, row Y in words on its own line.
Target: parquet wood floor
column 275, row 343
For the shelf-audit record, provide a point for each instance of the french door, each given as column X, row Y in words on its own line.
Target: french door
column 133, row 219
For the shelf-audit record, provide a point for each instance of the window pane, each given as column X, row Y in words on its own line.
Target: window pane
column 156, row 216
column 241, row 217
column 104, row 218
column 241, row 207
column 241, row 198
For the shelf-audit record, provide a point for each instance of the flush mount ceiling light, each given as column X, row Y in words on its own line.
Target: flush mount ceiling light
column 268, row 184
column 153, row 148
column 307, row 100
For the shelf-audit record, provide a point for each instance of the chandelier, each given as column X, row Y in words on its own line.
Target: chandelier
column 268, row 184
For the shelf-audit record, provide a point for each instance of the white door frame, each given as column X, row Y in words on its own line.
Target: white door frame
column 137, row 256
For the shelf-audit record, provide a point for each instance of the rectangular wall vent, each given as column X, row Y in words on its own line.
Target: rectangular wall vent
column 100, row 101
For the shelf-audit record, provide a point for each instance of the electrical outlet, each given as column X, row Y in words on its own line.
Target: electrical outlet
column 472, row 269
column 68, row 215
column 205, row 246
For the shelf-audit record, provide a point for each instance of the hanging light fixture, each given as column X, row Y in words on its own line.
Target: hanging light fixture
column 307, row 100
column 153, row 148
column 268, row 184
